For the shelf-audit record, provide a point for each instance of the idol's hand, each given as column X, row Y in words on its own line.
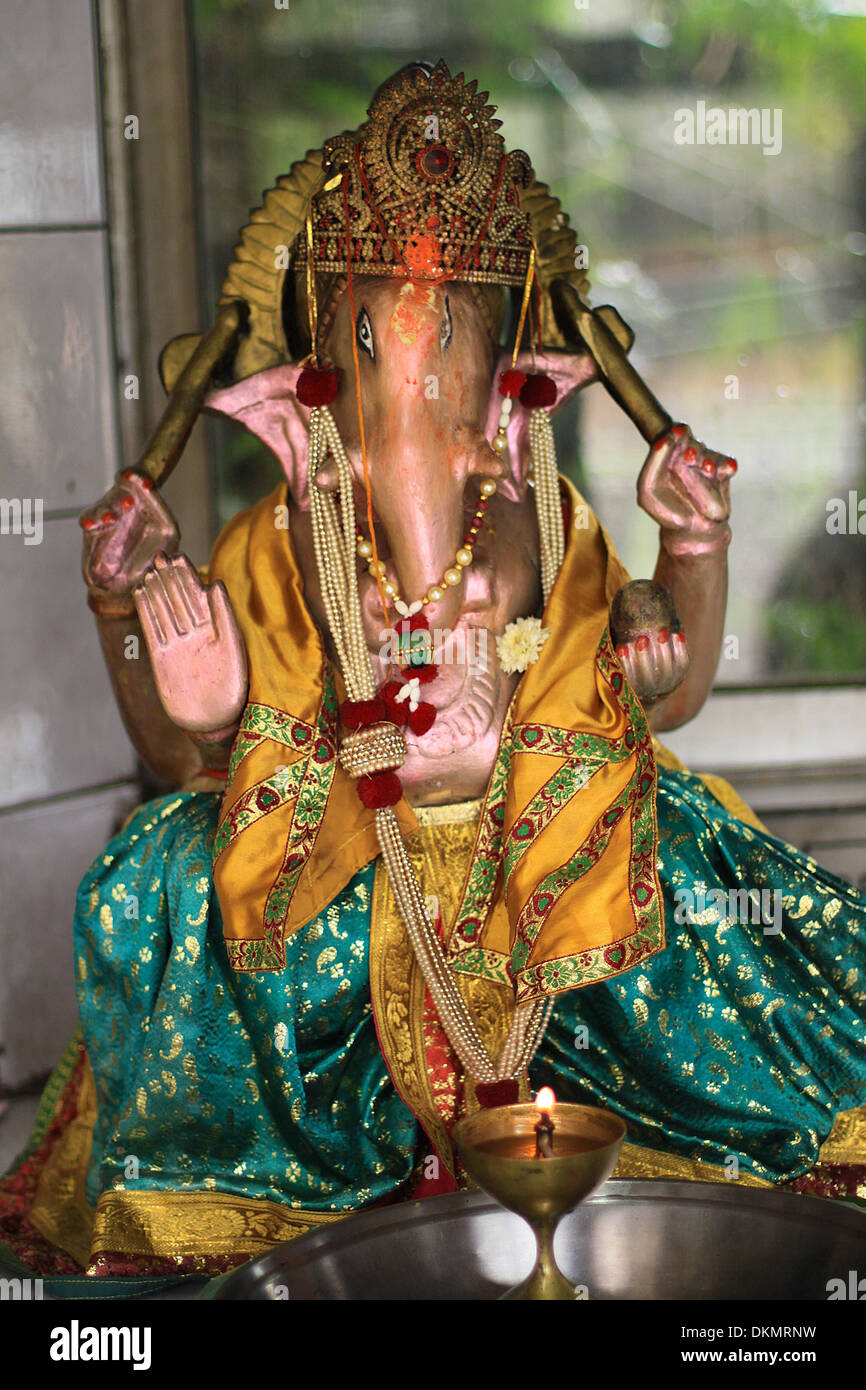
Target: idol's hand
column 123, row 532
column 649, row 641
column 196, row 650
column 685, row 487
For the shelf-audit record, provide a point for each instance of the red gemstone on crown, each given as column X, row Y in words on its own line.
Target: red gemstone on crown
column 434, row 162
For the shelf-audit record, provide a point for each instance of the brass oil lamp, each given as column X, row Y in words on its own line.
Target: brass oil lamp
column 540, row 1169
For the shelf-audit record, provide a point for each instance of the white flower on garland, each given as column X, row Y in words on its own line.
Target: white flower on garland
column 520, row 644
column 411, row 691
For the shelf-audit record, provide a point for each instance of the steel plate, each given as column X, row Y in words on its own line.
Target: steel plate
column 655, row 1240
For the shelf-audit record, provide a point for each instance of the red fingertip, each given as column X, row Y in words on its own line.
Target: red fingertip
column 147, row 484
column 663, row 634
column 642, row 644
column 107, row 518
column 690, row 455
column 87, row 523
column 622, row 649
column 678, row 431
column 708, row 467
column 681, row 637
column 126, row 503
column 732, row 464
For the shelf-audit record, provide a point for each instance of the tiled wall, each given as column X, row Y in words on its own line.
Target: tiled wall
column 66, row 766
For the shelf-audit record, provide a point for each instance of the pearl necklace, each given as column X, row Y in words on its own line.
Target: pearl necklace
column 452, row 575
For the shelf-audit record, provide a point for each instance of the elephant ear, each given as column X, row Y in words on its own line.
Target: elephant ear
column 266, row 404
column 570, row 371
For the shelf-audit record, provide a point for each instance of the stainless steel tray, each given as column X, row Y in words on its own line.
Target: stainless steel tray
column 656, row 1240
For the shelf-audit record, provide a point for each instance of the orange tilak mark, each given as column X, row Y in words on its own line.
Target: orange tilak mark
column 369, row 495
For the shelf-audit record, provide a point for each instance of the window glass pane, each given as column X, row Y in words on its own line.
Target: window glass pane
column 734, row 245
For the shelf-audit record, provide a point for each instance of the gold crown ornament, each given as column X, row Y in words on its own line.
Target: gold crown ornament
column 424, row 189
column 273, row 286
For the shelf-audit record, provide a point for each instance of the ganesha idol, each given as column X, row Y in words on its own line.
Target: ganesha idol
column 424, row 849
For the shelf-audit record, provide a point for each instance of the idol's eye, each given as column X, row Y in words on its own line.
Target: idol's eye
column 364, row 334
column 447, row 327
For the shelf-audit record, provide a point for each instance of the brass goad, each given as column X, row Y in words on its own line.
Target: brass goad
column 623, row 382
column 166, row 444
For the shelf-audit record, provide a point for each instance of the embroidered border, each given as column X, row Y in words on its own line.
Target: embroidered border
column 316, row 779
column 586, row 753
column 260, row 800
column 264, row 722
column 561, row 788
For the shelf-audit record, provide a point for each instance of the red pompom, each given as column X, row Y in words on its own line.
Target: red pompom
column 425, row 674
column 538, row 393
column 417, row 623
column 511, row 382
column 396, row 711
column 492, row 1093
column 378, row 789
column 317, row 386
column 422, row 718
column 360, row 714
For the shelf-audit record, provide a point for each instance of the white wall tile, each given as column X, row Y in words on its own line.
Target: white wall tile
column 49, row 141
column 59, row 727
column 56, row 432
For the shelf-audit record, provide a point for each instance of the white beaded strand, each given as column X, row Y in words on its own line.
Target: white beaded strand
column 547, row 503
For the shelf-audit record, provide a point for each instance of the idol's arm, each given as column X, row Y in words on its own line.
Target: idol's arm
column 123, row 535
column 670, row 657
column 165, row 748
column 699, row 587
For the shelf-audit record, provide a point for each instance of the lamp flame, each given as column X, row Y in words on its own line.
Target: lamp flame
column 545, row 1100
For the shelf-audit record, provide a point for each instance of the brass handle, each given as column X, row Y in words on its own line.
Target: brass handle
column 166, row 444
column 625, row 385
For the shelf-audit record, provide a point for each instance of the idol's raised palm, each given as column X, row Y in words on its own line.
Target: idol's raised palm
column 196, row 650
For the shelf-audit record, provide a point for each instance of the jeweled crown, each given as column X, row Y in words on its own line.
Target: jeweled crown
column 425, row 188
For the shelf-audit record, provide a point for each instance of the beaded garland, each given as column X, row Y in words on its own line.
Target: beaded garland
column 453, row 573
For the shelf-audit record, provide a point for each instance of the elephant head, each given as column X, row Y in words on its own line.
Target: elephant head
column 428, row 371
